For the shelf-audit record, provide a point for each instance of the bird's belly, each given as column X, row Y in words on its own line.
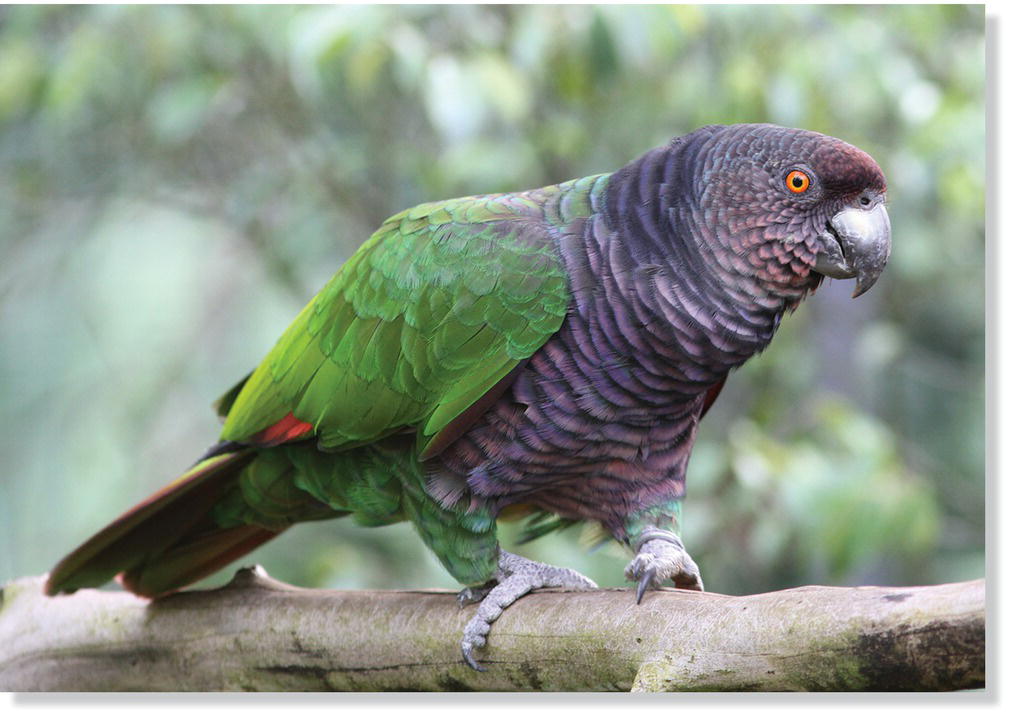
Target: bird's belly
column 568, row 444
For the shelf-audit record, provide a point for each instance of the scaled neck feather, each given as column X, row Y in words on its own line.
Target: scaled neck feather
column 655, row 232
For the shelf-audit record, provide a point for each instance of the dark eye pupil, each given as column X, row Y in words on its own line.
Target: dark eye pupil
column 796, row 182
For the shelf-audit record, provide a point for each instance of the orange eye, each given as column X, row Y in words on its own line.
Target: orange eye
column 797, row 181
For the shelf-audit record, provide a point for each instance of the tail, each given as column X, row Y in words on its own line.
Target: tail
column 169, row 540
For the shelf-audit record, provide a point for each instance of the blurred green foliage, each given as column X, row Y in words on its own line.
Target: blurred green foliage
column 177, row 181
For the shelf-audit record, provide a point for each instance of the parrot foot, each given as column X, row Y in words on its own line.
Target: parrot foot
column 661, row 556
column 515, row 578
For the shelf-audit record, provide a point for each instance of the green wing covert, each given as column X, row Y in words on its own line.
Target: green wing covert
column 420, row 324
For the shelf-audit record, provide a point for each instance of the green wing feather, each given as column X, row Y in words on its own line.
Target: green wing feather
column 422, row 322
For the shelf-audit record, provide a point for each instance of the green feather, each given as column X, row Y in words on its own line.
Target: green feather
column 443, row 301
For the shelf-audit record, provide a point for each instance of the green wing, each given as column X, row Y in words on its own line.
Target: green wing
column 428, row 318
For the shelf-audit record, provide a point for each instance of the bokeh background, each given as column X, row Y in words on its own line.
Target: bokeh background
column 176, row 182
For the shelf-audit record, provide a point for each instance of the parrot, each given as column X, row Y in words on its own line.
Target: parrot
column 546, row 354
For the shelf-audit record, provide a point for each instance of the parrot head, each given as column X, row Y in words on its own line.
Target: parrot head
column 793, row 206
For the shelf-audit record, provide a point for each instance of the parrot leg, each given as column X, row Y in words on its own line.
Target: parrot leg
column 515, row 578
column 661, row 556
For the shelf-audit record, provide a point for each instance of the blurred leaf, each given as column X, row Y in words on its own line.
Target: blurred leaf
column 177, row 110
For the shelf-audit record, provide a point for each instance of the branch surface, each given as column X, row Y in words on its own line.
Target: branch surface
column 259, row 634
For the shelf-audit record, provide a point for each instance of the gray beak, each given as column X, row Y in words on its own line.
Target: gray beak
column 856, row 243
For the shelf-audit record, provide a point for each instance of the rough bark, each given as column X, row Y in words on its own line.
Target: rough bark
column 259, row 634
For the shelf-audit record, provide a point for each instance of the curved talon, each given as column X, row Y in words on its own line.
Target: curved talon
column 470, row 659
column 660, row 558
column 645, row 582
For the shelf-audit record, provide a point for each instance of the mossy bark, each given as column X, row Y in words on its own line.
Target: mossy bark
column 259, row 634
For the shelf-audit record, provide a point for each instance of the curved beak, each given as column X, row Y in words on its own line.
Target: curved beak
column 856, row 243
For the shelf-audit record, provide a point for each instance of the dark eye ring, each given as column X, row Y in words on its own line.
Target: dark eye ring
column 797, row 181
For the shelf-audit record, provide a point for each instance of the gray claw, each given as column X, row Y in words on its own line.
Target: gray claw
column 645, row 582
column 470, row 659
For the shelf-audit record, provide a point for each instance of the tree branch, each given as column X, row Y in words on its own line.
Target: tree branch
column 259, row 634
